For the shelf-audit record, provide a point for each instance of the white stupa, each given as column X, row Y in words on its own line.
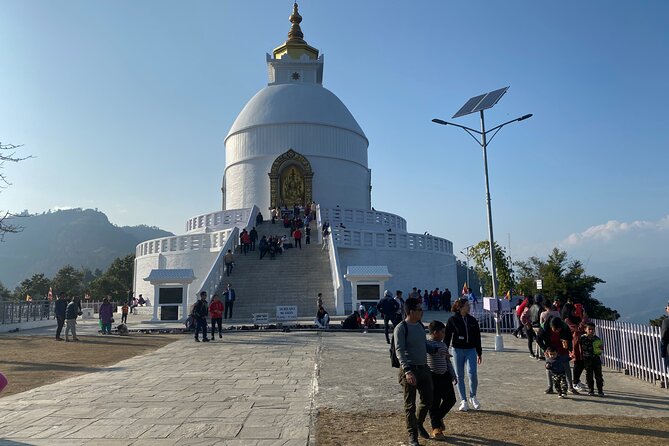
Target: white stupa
column 296, row 142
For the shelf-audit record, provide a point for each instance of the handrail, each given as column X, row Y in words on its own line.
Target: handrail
column 337, row 286
column 364, row 218
column 219, row 220
column 217, row 270
column 362, row 239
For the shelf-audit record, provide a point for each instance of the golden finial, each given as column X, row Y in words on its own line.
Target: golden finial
column 295, row 34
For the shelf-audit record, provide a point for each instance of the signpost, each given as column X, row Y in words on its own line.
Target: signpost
column 286, row 313
column 540, row 284
column 260, row 318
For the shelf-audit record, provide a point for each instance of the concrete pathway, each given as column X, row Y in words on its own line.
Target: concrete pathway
column 249, row 389
column 261, row 389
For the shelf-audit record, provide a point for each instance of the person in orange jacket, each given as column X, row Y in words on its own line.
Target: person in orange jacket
column 216, row 314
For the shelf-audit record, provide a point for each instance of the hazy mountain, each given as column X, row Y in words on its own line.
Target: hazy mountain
column 81, row 238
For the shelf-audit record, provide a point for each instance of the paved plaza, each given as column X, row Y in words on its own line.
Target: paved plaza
column 265, row 388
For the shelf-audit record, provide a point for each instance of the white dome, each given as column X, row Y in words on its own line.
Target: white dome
column 293, row 104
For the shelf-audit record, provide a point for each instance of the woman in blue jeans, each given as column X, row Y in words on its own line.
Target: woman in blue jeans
column 464, row 335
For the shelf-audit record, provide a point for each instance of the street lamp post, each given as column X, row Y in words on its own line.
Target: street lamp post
column 479, row 104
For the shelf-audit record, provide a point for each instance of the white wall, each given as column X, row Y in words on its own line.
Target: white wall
column 199, row 261
column 338, row 159
column 421, row 269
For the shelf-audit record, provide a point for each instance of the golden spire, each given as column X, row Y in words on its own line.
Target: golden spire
column 295, row 46
column 295, row 34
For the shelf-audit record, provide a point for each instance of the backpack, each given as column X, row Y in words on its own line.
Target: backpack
column 394, row 360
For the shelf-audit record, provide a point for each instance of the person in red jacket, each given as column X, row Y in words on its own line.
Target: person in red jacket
column 297, row 235
column 216, row 314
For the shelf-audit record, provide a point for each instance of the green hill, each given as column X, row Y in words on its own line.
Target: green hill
column 81, row 238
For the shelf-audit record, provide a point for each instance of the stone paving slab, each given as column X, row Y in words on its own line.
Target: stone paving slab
column 355, row 375
column 251, row 389
column 258, row 389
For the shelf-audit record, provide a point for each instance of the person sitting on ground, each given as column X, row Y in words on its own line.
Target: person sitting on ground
column 351, row 322
column 443, row 378
column 141, row 301
column 322, row 318
column 370, row 318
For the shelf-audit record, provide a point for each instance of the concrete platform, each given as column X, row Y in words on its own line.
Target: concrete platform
column 263, row 389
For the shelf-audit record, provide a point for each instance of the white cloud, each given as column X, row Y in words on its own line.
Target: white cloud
column 613, row 229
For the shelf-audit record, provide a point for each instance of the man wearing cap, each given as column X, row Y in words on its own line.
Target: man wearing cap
column 664, row 338
column 388, row 307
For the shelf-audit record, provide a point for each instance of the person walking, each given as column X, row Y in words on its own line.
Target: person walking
column 297, row 235
column 71, row 313
column 60, row 308
column 230, row 297
column 200, row 310
column 443, row 378
column 106, row 314
column 414, row 374
column 464, row 335
column 229, row 260
column 556, row 334
column 216, row 315
column 254, row 237
column 388, row 307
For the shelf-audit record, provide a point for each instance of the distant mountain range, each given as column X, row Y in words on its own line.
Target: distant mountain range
column 81, row 238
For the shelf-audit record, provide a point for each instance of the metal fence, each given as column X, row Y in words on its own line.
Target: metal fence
column 486, row 320
column 17, row 312
column 36, row 310
column 633, row 349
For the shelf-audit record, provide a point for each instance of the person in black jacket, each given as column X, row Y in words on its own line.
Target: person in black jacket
column 464, row 335
column 557, row 334
column 60, row 308
column 200, row 312
column 388, row 306
column 664, row 338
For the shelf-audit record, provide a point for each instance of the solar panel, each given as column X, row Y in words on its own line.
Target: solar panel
column 481, row 102
column 469, row 105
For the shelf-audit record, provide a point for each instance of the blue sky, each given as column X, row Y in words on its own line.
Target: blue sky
column 125, row 106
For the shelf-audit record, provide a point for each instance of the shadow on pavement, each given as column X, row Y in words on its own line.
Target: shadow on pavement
column 469, row 440
column 57, row 367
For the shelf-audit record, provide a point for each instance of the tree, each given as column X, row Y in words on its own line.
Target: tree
column 7, row 153
column 5, row 294
column 37, row 287
column 116, row 281
column 657, row 322
column 68, row 280
column 563, row 278
column 480, row 254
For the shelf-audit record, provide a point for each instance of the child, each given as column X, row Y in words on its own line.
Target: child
column 592, row 348
column 556, row 367
column 443, row 378
column 124, row 313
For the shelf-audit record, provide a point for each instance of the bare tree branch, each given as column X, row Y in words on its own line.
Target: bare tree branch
column 8, row 153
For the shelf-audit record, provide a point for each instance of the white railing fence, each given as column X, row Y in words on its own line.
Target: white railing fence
column 220, row 220
column 364, row 217
column 486, row 320
column 217, row 270
column 633, row 349
column 351, row 238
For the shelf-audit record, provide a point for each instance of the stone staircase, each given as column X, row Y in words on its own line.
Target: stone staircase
column 292, row 278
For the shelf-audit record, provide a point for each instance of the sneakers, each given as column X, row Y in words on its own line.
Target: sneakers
column 600, row 393
column 581, row 386
column 220, row 336
column 197, row 340
column 561, row 395
column 205, row 339
column 533, row 356
column 574, row 391
column 591, row 393
column 475, row 403
column 549, row 391
column 463, row 406
column 413, row 441
column 423, row 433
column 438, row 433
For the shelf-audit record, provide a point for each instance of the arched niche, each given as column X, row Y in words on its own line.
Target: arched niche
column 290, row 180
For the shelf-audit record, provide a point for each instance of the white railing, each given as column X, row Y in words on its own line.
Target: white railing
column 220, row 220
column 217, row 270
column 212, row 241
column 634, row 349
column 351, row 238
column 486, row 320
column 359, row 218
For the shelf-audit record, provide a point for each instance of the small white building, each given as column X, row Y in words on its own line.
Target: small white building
column 296, row 142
